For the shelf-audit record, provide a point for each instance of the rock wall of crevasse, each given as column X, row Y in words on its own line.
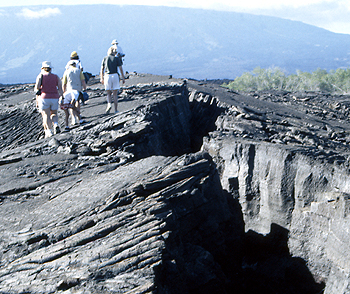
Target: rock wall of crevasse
column 287, row 186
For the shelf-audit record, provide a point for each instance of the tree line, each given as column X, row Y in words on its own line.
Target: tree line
column 334, row 81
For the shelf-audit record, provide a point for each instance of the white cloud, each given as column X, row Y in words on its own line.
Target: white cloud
column 338, row 27
column 329, row 14
column 47, row 12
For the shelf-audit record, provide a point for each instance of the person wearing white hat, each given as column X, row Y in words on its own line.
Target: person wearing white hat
column 118, row 49
column 48, row 88
column 109, row 76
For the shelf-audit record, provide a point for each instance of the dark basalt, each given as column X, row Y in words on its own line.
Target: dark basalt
column 191, row 188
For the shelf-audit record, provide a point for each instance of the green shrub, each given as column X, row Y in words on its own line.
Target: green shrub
column 335, row 81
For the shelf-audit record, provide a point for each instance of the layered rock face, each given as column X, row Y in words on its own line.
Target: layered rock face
column 300, row 184
column 189, row 189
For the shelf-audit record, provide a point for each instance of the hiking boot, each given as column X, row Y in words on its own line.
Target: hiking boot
column 109, row 106
column 56, row 129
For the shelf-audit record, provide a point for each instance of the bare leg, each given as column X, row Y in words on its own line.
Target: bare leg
column 54, row 117
column 77, row 109
column 71, row 113
column 109, row 101
column 109, row 96
column 66, row 111
column 76, row 113
column 115, row 99
column 47, row 123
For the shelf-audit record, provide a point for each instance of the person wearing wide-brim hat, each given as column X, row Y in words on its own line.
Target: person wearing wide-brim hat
column 73, row 82
column 48, row 88
column 74, row 56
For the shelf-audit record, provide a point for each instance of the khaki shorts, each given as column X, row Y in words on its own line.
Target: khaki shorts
column 51, row 103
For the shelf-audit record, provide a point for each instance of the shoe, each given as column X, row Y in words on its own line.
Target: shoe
column 116, row 111
column 48, row 133
column 108, row 109
column 56, row 129
column 66, row 129
column 82, row 121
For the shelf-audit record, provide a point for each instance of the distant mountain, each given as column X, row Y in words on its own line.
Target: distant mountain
column 187, row 43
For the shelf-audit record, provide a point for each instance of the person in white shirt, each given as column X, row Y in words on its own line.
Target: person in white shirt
column 73, row 80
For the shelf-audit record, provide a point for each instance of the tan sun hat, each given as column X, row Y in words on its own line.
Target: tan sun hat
column 74, row 54
column 46, row 64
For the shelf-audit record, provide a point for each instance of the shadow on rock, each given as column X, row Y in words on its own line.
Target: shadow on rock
column 269, row 268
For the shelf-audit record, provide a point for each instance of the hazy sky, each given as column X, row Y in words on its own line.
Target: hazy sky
column 333, row 15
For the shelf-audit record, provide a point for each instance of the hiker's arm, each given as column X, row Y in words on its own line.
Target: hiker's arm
column 102, row 71
column 84, row 85
column 64, row 82
column 36, row 88
column 122, row 73
column 101, row 75
column 59, row 86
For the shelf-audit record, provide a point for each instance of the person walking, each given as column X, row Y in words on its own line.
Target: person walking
column 75, row 57
column 69, row 103
column 48, row 88
column 73, row 80
column 109, row 77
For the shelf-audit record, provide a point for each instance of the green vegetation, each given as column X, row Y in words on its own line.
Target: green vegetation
column 334, row 81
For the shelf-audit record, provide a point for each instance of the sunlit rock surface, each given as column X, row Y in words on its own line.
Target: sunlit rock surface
column 191, row 188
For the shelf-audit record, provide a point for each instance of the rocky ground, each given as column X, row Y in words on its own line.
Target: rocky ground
column 191, row 188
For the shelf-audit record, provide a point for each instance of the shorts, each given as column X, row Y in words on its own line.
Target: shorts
column 48, row 103
column 68, row 97
column 111, row 82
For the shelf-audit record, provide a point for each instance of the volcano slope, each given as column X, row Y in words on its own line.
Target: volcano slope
column 191, row 188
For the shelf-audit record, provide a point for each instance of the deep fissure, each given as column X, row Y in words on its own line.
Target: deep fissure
column 263, row 263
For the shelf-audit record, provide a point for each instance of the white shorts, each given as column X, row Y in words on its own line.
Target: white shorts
column 111, row 82
column 51, row 103
column 68, row 97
